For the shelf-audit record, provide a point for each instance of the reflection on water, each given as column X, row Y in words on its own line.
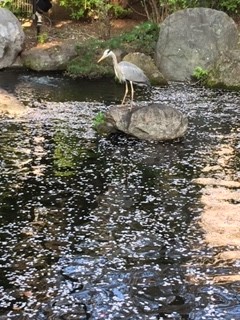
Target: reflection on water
column 97, row 228
column 55, row 87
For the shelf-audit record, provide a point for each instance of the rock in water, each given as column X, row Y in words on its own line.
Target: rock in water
column 156, row 122
column 193, row 38
column 11, row 38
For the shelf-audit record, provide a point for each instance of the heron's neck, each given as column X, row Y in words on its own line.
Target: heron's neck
column 117, row 70
column 114, row 59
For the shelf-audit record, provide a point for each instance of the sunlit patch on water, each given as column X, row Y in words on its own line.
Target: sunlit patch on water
column 105, row 228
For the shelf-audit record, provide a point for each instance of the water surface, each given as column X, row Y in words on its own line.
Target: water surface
column 107, row 228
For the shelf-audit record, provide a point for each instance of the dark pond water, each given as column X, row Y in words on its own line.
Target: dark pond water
column 106, row 228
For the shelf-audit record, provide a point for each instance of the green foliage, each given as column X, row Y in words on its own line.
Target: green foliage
column 19, row 9
column 6, row 4
column 9, row 4
column 158, row 10
column 42, row 38
column 200, row 74
column 175, row 5
column 99, row 120
column 100, row 11
column 231, row 6
column 142, row 38
column 94, row 9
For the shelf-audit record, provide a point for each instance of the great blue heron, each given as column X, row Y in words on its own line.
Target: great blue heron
column 126, row 71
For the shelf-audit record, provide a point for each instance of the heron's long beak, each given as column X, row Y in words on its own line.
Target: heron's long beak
column 103, row 57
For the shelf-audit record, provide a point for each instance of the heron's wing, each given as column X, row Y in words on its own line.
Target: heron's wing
column 133, row 73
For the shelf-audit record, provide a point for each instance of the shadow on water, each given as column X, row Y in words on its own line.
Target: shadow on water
column 97, row 228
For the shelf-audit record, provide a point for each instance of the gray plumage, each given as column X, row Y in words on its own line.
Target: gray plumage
column 126, row 71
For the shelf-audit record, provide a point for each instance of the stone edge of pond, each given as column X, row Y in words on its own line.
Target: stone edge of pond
column 10, row 106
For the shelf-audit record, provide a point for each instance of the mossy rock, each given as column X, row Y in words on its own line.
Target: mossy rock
column 226, row 72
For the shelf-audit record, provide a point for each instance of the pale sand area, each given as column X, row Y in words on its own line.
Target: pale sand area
column 10, row 106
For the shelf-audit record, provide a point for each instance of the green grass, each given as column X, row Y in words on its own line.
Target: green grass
column 200, row 74
column 99, row 120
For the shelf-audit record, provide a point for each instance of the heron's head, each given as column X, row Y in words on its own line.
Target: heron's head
column 106, row 54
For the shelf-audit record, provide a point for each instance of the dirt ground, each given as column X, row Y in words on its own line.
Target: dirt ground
column 58, row 31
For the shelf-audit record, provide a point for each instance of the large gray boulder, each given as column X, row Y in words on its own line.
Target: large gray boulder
column 11, row 38
column 226, row 71
column 191, row 38
column 49, row 57
column 155, row 122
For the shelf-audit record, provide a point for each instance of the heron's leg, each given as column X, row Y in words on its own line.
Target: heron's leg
column 125, row 94
column 132, row 93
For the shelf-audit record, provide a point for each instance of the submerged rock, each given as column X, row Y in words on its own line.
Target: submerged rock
column 156, row 122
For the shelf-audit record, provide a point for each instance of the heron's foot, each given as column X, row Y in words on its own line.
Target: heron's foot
column 132, row 105
column 123, row 105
